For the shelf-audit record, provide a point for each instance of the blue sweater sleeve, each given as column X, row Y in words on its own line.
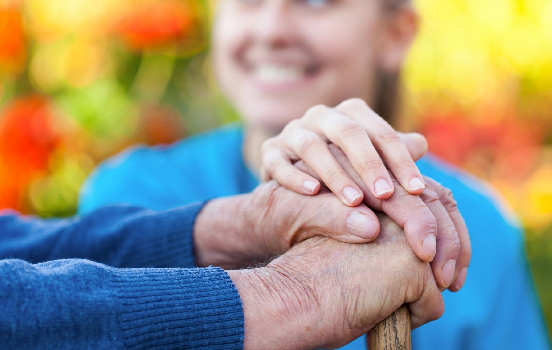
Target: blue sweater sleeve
column 79, row 304
column 119, row 236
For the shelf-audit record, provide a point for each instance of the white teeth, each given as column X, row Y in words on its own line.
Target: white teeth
column 270, row 73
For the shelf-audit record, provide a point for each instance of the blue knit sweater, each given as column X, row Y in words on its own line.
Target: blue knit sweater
column 142, row 291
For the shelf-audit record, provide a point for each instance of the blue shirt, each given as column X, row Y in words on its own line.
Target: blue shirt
column 497, row 307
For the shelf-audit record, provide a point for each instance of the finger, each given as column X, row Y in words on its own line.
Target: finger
column 448, row 242
column 314, row 151
column 387, row 142
column 279, row 168
column 329, row 217
column 448, row 202
column 415, row 143
column 351, row 137
column 427, row 307
column 407, row 210
column 419, row 223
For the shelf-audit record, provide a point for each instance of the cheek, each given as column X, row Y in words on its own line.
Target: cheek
column 226, row 36
column 350, row 58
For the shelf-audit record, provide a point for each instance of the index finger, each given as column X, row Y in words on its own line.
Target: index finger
column 387, row 142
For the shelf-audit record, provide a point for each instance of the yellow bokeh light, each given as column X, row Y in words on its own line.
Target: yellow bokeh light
column 52, row 19
column 76, row 63
column 83, row 62
column 538, row 208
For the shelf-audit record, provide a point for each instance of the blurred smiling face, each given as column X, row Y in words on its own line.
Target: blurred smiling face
column 274, row 59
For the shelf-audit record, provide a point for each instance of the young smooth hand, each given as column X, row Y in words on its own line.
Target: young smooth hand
column 370, row 143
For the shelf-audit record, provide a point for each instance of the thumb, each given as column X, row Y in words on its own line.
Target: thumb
column 333, row 219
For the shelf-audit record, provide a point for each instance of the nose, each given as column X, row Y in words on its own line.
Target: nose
column 275, row 25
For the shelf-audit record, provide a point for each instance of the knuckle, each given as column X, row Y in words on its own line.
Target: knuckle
column 387, row 135
column 308, row 143
column 315, row 111
column 293, row 125
column 354, row 105
column 290, row 129
column 371, row 165
column 269, row 145
column 427, row 220
column 406, row 163
column 448, row 200
column 331, row 177
column 429, row 196
column 350, row 129
column 455, row 245
column 423, row 219
column 430, row 225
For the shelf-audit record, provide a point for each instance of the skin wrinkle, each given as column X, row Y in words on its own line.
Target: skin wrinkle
column 431, row 195
column 296, row 288
column 318, row 288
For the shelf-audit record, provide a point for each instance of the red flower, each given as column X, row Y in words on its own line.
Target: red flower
column 451, row 137
column 153, row 24
column 507, row 147
column 28, row 135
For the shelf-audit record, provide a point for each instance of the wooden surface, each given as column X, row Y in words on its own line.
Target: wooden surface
column 393, row 333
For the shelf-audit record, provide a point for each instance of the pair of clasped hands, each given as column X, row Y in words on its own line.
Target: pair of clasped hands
column 355, row 229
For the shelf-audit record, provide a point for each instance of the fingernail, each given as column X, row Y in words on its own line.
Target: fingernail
column 430, row 245
column 448, row 271
column 351, row 194
column 461, row 278
column 416, row 184
column 382, row 187
column 309, row 185
column 361, row 225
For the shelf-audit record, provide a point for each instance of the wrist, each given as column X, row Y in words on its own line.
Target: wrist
column 279, row 310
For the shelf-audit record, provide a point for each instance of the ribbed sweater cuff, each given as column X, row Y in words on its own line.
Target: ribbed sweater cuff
column 168, row 239
column 196, row 308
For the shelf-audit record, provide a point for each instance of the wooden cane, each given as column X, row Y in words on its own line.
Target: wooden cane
column 393, row 333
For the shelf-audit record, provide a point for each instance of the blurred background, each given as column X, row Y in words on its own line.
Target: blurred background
column 81, row 80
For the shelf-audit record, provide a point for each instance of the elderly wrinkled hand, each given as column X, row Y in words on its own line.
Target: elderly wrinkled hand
column 323, row 293
column 238, row 231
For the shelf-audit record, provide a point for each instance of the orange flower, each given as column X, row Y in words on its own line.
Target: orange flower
column 12, row 40
column 153, row 24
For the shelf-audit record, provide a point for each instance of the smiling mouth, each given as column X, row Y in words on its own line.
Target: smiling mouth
column 279, row 74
